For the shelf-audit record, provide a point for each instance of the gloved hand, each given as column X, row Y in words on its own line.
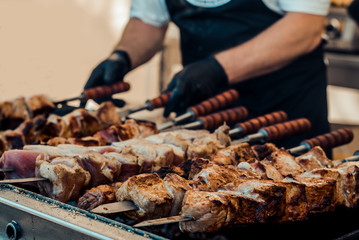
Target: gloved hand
column 110, row 71
column 196, row 82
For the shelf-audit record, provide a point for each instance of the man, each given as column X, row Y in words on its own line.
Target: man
column 269, row 50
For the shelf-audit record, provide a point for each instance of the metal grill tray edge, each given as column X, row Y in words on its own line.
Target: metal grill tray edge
column 32, row 216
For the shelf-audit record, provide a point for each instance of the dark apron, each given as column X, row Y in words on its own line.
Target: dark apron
column 299, row 88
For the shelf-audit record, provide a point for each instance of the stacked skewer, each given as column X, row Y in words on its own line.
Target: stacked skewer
column 206, row 181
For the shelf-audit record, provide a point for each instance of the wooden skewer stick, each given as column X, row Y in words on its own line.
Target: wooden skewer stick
column 161, row 221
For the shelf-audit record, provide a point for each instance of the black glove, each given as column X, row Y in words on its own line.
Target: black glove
column 110, row 71
column 353, row 10
column 196, row 82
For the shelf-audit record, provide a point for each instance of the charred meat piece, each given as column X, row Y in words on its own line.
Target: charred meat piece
column 284, row 162
column 262, row 151
column 155, row 156
column 315, row 158
column 85, row 141
column 268, row 191
column 177, row 187
column 66, row 178
column 96, row 196
column 103, row 170
column 296, row 206
column 234, row 154
column 319, row 191
column 149, row 193
column 57, row 141
column 50, row 129
column 79, row 123
column 346, row 177
column 40, row 104
column 13, row 113
column 107, row 114
column 214, row 176
column 129, row 163
column 14, row 140
column 214, row 210
column 266, row 171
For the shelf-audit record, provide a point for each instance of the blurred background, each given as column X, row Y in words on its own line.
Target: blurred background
column 50, row 47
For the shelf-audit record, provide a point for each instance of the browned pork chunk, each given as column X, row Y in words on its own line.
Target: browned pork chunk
column 177, row 187
column 313, row 159
column 296, row 206
column 268, row 191
column 215, row 176
column 214, row 210
column 40, row 104
column 149, row 193
column 284, row 162
column 234, row 154
column 319, row 191
column 262, row 151
column 99, row 195
column 13, row 113
column 103, row 170
column 265, row 170
column 66, row 178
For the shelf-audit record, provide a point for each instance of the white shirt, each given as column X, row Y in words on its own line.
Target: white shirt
column 154, row 12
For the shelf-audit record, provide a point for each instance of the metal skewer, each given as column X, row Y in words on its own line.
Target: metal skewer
column 208, row 106
column 149, row 105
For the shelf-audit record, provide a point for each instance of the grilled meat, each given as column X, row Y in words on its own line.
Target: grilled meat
column 268, row 191
column 234, row 154
column 40, row 104
column 264, row 150
column 265, row 170
column 102, row 169
column 107, row 114
column 149, row 193
column 66, row 178
column 284, row 162
column 215, row 176
column 319, row 192
column 96, row 196
column 13, row 113
column 315, row 158
column 214, row 210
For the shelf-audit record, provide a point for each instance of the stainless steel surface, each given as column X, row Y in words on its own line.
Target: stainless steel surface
column 116, row 207
column 235, row 132
column 256, row 137
column 342, row 32
column 184, row 117
column 351, row 159
column 299, row 149
column 165, row 126
column 39, row 217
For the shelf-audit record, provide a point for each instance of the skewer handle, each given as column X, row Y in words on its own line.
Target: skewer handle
column 331, row 140
column 286, row 129
column 213, row 104
column 229, row 116
column 104, row 91
column 253, row 125
column 158, row 102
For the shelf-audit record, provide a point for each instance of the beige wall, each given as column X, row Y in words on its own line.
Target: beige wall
column 50, row 46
